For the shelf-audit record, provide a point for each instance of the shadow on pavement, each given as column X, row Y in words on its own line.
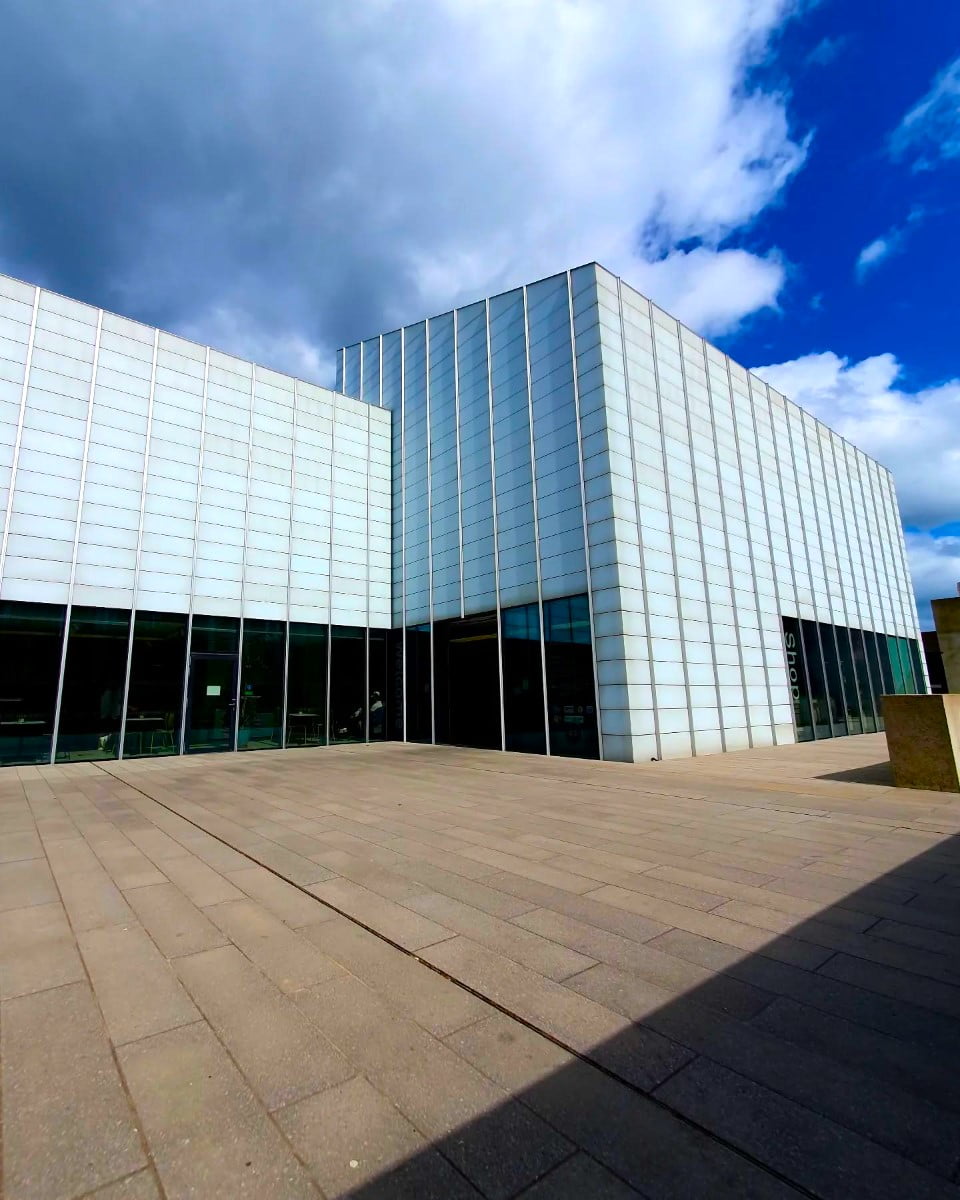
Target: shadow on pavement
column 878, row 774
column 823, row 1064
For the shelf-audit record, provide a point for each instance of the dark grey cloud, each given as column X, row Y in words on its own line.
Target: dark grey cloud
column 282, row 178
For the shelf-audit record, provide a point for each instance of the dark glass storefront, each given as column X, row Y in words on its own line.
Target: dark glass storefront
column 837, row 676
column 213, row 684
column 466, row 680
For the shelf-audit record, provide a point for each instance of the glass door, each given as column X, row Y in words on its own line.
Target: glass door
column 212, row 707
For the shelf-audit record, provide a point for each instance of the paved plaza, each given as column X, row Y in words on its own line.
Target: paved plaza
column 401, row 971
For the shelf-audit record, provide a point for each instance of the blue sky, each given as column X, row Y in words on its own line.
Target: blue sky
column 280, row 179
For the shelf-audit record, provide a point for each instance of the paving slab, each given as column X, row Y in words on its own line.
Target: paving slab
column 174, row 922
column 207, row 1133
column 282, row 1055
column 37, row 950
column 67, row 1125
column 137, row 991
column 499, row 957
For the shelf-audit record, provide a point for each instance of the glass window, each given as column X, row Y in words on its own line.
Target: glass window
column 348, row 671
column 31, row 642
column 899, row 670
column 831, row 662
column 797, row 675
column 467, row 682
column 155, row 700
column 419, row 700
column 307, row 685
column 377, row 693
column 906, row 666
column 914, row 651
column 864, row 681
column 215, row 635
column 261, row 685
column 877, row 685
column 571, row 700
column 522, row 680
column 818, row 683
column 845, row 655
column 93, row 684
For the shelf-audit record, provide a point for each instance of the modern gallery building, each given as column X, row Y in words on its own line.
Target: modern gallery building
column 554, row 521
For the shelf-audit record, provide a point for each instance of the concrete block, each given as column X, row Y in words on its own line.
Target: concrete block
column 946, row 617
column 923, row 737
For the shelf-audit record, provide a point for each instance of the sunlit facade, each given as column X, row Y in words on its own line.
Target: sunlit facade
column 554, row 521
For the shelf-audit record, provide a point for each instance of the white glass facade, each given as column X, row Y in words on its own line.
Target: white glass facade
column 554, row 521
column 569, row 438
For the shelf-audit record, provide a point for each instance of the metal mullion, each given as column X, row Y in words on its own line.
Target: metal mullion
column 726, row 535
column 823, row 564
column 403, row 531
column 844, row 528
column 456, row 420
column 877, row 706
column 835, row 542
column 669, row 511
column 76, row 538
column 496, row 532
column 793, row 569
column 196, row 553
column 18, row 439
column 583, row 501
column 333, row 445
column 751, row 408
column 243, row 565
column 136, row 573
column 366, row 631
column 813, row 605
column 366, row 682
column 766, row 520
column 723, row 517
column 429, row 464
column 286, row 642
column 536, row 523
column 631, row 437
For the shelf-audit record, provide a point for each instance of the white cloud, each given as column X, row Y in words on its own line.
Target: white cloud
column 935, row 567
column 873, row 253
column 930, row 131
column 711, row 290
column 914, row 433
column 328, row 171
column 894, row 241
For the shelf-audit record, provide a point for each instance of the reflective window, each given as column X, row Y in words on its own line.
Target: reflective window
column 467, row 682
column 93, row 684
column 797, row 677
column 906, row 666
column 835, row 698
column 848, row 675
column 307, row 685
column 818, row 683
column 155, row 700
column 864, row 681
column 215, row 635
column 522, row 680
column 261, row 685
column 476, row 483
column 212, row 685
column 348, row 671
column 31, row 639
column 419, row 724
column 914, row 651
column 351, row 378
column 877, row 685
column 571, row 700
column 377, row 696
